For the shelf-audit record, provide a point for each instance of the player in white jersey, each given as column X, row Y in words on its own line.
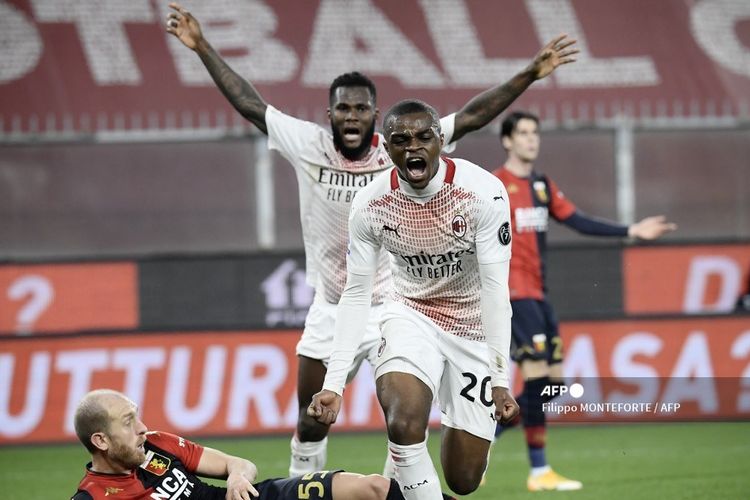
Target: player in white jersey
column 445, row 224
column 331, row 166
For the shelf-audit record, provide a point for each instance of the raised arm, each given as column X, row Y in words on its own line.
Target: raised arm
column 239, row 92
column 483, row 108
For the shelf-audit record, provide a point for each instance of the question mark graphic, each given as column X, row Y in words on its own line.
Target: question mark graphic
column 41, row 292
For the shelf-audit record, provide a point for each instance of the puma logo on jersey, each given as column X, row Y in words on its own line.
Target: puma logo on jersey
column 386, row 227
column 498, row 198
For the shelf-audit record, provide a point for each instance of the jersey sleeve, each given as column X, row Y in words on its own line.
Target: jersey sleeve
column 187, row 451
column 288, row 135
column 447, row 128
column 354, row 306
column 364, row 247
column 560, row 207
column 493, row 235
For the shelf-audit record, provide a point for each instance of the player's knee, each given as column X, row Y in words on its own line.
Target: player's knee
column 464, row 482
column 405, row 430
column 309, row 429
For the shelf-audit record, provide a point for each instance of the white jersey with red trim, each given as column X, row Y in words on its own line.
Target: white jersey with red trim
column 327, row 185
column 436, row 238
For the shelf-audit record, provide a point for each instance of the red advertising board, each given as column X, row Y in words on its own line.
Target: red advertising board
column 61, row 298
column 232, row 383
column 681, row 369
column 76, row 66
column 693, row 280
column 206, row 383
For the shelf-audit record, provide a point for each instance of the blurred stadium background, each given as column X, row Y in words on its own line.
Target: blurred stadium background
column 149, row 242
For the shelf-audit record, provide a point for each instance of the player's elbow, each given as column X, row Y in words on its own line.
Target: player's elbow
column 378, row 486
column 375, row 487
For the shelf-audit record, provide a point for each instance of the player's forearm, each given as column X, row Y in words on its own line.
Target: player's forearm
column 483, row 108
column 239, row 92
column 496, row 315
column 594, row 227
column 217, row 464
column 351, row 322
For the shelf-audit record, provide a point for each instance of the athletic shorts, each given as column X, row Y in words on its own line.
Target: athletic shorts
column 535, row 334
column 313, row 486
column 455, row 369
column 320, row 325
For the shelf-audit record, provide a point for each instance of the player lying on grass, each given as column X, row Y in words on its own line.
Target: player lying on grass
column 129, row 462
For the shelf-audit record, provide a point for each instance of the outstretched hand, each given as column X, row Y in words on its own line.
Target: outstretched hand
column 325, row 407
column 651, row 228
column 184, row 26
column 506, row 408
column 556, row 53
column 240, row 487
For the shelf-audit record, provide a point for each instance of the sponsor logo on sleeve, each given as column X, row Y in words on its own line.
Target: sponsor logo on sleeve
column 503, row 234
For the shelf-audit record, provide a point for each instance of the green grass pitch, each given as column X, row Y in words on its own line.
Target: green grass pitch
column 643, row 461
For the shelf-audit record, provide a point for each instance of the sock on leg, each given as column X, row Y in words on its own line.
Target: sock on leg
column 394, row 492
column 415, row 472
column 389, row 469
column 307, row 456
column 535, row 424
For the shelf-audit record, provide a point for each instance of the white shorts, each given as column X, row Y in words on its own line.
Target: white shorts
column 455, row 369
column 320, row 325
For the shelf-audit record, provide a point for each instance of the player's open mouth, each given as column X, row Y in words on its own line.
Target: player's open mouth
column 416, row 168
column 352, row 134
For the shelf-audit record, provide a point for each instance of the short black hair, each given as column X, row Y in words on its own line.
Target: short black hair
column 406, row 107
column 510, row 122
column 353, row 79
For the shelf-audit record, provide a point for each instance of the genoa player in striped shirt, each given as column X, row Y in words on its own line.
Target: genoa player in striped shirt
column 537, row 347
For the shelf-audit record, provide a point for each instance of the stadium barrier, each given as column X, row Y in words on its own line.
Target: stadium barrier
column 212, row 383
column 269, row 291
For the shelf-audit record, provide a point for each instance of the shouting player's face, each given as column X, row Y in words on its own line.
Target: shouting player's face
column 523, row 143
column 414, row 142
column 125, row 436
column 353, row 116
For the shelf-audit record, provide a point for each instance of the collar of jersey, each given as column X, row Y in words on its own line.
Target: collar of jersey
column 430, row 190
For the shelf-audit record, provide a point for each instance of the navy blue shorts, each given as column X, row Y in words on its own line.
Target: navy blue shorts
column 535, row 334
column 313, row 486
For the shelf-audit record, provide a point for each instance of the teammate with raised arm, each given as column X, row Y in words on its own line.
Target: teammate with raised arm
column 537, row 346
column 446, row 334
column 131, row 463
column 331, row 165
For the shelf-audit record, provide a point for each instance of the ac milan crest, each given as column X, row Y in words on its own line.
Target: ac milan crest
column 459, row 226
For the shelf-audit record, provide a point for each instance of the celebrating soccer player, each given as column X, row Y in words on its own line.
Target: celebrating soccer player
column 331, row 166
column 445, row 224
